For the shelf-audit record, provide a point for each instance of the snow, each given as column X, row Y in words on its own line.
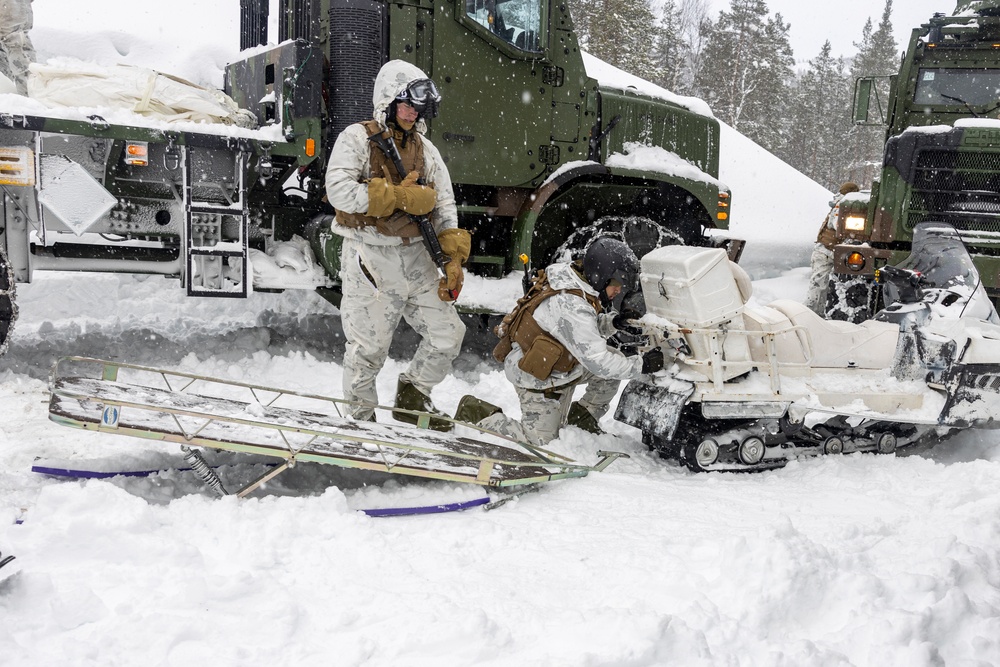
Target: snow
column 853, row 560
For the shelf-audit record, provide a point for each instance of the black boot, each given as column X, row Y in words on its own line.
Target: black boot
column 408, row 397
column 472, row 410
column 581, row 417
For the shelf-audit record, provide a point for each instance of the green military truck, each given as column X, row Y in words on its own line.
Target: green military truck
column 538, row 149
column 941, row 160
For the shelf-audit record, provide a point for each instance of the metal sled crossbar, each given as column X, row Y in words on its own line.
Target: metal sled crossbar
column 197, row 411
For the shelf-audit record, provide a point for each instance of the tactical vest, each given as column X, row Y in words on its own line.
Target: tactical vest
column 398, row 223
column 543, row 354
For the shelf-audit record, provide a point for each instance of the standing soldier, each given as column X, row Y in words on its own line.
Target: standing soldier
column 821, row 262
column 386, row 269
column 16, row 50
column 557, row 338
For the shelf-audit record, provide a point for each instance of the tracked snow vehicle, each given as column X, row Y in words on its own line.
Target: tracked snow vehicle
column 752, row 387
column 537, row 147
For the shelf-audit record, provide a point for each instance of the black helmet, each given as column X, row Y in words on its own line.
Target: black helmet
column 423, row 96
column 607, row 260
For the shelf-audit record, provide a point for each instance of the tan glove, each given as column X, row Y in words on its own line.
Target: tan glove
column 408, row 196
column 456, row 244
column 413, row 198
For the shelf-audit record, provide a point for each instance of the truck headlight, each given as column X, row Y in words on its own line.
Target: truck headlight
column 854, row 223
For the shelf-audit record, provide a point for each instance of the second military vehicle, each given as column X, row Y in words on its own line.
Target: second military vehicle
column 942, row 156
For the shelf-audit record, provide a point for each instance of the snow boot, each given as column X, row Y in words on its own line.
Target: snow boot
column 408, row 397
column 472, row 410
column 582, row 418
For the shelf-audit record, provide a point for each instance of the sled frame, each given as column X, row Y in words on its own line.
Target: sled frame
column 199, row 411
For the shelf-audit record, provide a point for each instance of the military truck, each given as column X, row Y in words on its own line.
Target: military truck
column 525, row 130
column 941, row 159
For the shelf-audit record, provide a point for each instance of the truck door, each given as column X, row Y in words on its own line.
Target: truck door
column 491, row 65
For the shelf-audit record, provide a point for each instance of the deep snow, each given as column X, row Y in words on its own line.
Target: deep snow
column 856, row 560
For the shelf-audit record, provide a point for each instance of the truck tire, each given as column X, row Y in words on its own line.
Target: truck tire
column 8, row 305
column 851, row 298
column 638, row 232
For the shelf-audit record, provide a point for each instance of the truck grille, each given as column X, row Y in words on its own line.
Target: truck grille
column 962, row 189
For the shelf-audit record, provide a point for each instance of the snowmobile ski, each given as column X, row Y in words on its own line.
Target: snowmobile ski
column 201, row 412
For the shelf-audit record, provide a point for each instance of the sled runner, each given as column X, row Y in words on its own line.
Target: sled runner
column 201, row 412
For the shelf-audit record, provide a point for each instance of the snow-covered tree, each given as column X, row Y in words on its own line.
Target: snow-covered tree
column 619, row 32
column 819, row 115
column 746, row 69
column 878, row 55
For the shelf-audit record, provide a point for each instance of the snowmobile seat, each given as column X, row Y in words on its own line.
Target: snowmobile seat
column 788, row 344
column 836, row 344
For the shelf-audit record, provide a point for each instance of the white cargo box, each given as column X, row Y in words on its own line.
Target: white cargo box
column 695, row 289
column 692, row 287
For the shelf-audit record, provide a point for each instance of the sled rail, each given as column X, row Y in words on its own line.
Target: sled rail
column 199, row 411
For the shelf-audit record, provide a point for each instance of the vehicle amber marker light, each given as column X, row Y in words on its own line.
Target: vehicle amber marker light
column 856, row 261
column 137, row 153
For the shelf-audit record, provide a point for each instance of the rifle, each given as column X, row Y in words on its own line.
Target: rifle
column 388, row 146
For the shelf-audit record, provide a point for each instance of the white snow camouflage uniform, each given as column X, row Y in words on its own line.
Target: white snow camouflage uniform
column 404, row 279
column 16, row 49
column 821, row 265
column 573, row 322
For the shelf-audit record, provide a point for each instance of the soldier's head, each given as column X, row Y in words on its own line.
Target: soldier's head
column 420, row 99
column 610, row 267
column 405, row 95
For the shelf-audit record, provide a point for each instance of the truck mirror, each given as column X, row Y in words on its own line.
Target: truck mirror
column 865, row 92
column 862, row 100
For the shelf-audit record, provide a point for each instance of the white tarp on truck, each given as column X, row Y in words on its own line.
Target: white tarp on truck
column 71, row 83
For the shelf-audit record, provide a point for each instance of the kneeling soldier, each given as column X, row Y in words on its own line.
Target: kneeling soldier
column 557, row 338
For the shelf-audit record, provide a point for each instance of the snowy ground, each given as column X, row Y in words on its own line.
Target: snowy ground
column 856, row 560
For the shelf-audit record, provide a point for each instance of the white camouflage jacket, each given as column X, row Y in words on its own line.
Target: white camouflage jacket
column 573, row 322
column 350, row 162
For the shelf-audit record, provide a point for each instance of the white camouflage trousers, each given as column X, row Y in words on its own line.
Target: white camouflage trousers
column 543, row 413
column 821, row 265
column 402, row 282
column 16, row 49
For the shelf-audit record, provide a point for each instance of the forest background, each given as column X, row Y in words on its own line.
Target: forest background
column 741, row 62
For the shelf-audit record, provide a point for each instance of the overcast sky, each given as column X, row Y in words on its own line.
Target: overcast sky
column 841, row 21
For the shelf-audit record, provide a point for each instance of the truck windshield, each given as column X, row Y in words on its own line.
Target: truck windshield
column 948, row 86
column 516, row 21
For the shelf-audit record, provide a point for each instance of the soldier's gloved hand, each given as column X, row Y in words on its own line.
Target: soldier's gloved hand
column 456, row 244
column 633, row 308
column 414, row 198
column 652, row 361
column 384, row 198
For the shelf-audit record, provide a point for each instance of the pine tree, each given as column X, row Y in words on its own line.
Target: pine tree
column 619, row 32
column 878, row 55
column 669, row 48
column 820, row 122
column 746, row 70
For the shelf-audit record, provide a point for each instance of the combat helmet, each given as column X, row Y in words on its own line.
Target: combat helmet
column 608, row 260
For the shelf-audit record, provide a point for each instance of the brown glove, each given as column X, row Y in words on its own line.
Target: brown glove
column 384, row 197
column 413, row 198
column 456, row 244
column 828, row 238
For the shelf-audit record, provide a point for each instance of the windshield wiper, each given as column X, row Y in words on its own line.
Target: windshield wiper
column 961, row 101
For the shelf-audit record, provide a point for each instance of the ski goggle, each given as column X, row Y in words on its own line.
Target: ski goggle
column 423, row 96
